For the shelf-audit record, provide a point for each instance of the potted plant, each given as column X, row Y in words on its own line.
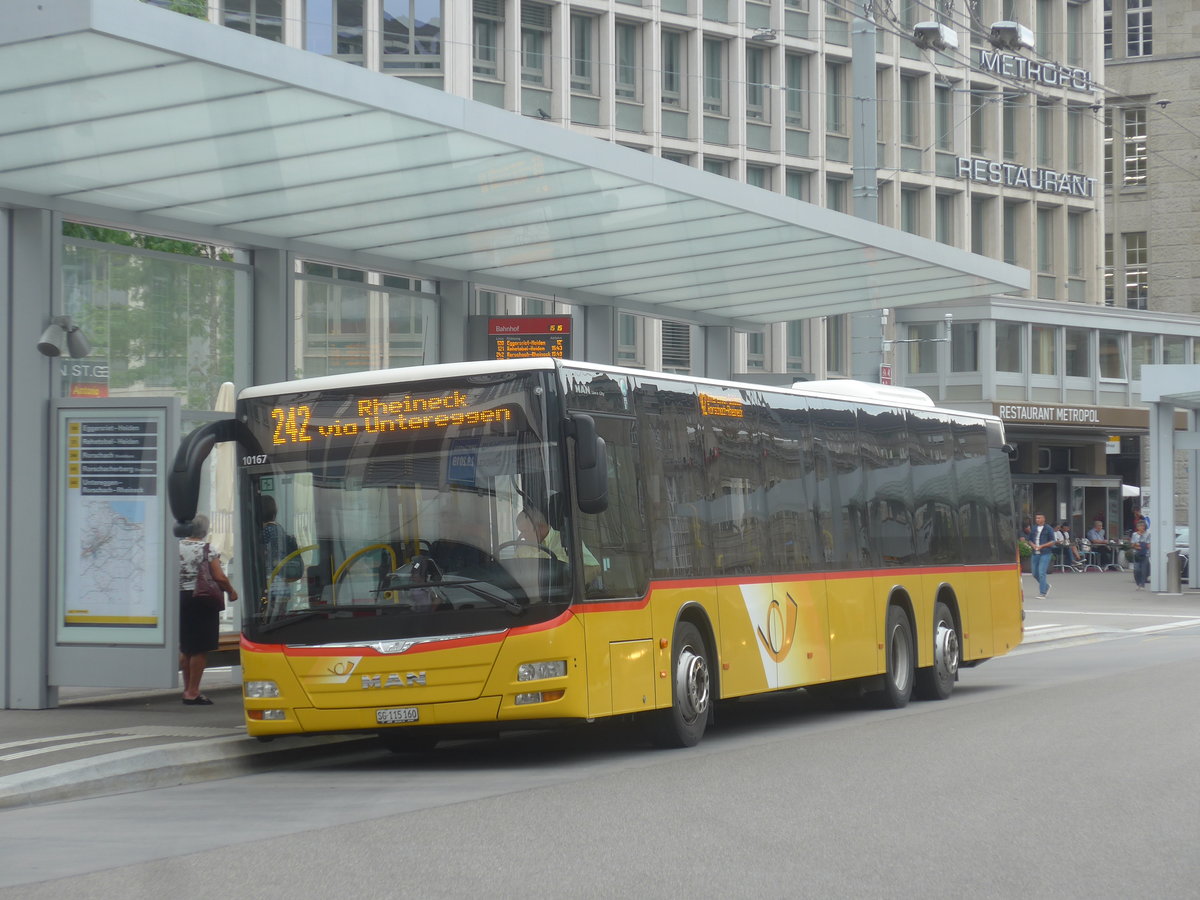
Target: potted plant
column 1025, row 551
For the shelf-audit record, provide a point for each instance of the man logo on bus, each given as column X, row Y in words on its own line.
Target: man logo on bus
column 781, row 630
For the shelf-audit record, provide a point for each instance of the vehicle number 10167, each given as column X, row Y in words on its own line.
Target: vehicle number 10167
column 396, row 716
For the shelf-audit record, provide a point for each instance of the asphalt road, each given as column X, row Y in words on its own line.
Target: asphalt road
column 1062, row 770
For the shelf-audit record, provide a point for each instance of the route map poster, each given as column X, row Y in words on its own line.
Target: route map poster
column 112, row 525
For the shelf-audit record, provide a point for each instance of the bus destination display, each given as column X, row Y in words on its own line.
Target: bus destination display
column 524, row 337
column 301, row 423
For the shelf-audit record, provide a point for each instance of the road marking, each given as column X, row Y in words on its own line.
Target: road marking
column 56, row 742
column 1128, row 615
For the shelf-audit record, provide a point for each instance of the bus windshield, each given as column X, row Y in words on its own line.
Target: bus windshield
column 401, row 510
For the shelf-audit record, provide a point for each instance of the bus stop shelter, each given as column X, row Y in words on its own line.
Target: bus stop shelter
column 126, row 115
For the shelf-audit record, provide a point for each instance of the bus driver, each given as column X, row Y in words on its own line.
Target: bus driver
column 534, row 529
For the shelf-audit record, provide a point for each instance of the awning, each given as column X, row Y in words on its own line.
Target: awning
column 116, row 110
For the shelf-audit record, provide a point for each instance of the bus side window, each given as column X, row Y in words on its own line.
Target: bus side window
column 617, row 536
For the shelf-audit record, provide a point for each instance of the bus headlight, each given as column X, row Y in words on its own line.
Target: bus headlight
column 261, row 689
column 266, row 715
column 538, row 670
column 537, row 697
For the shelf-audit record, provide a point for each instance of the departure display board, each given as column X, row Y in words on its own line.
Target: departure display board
column 524, row 337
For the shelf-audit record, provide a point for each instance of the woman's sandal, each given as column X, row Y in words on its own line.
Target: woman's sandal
column 197, row 701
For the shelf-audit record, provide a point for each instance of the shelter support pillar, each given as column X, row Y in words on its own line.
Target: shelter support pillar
column 452, row 336
column 28, row 550
column 273, row 290
column 599, row 334
column 1162, row 490
column 718, row 351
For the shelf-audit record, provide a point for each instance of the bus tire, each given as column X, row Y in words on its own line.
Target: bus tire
column 683, row 723
column 936, row 682
column 898, row 649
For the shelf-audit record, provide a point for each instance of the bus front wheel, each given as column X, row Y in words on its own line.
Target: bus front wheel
column 937, row 681
column 898, row 646
column 684, row 722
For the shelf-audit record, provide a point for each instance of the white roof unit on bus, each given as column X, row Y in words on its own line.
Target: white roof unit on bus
column 866, row 391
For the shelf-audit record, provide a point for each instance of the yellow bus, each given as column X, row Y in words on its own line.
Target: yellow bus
column 543, row 540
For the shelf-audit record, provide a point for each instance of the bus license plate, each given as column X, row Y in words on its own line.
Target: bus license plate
column 396, row 716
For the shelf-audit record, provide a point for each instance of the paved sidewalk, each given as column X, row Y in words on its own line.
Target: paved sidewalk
column 100, row 742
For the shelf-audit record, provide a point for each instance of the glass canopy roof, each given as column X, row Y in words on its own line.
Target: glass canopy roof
column 117, row 110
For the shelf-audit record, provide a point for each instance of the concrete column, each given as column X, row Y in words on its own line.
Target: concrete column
column 866, row 328
column 718, row 351
column 599, row 342
column 272, row 358
column 27, row 549
column 1162, row 490
column 452, row 338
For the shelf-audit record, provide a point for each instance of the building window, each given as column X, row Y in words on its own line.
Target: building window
column 716, row 166
column 910, row 110
column 1075, row 245
column 1137, row 270
column 535, row 34
column 1134, row 170
column 262, row 18
column 922, row 349
column 1045, row 239
column 1175, row 351
column 943, row 101
column 583, row 54
column 1011, row 232
column 796, row 73
column 944, row 230
column 981, row 211
column 836, row 191
column 676, row 347
column 488, row 34
column 794, row 342
column 798, row 185
column 759, row 176
column 1138, row 28
column 1041, row 350
column 1112, row 355
column 979, row 101
column 628, row 61
column 1077, row 358
column 1009, row 110
column 910, row 210
column 1045, row 134
column 835, row 97
column 631, row 340
column 1075, row 34
column 1141, row 354
column 1109, row 272
column 1008, row 347
column 412, row 34
column 1043, row 26
column 348, row 31
column 1076, row 128
column 756, row 352
column 672, row 68
column 757, row 78
column 684, row 159
column 1108, row 29
column 1108, row 148
column 835, row 345
column 714, row 75
column 964, row 347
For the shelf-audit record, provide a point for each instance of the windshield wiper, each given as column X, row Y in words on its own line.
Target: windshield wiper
column 396, row 581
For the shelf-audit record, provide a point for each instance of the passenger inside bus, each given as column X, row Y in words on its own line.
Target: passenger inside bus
column 536, row 532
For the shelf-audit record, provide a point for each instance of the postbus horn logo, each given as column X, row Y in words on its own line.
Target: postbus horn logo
column 781, row 629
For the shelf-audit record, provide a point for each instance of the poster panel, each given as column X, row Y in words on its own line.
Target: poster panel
column 112, row 530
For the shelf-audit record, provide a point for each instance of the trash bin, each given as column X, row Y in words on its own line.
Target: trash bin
column 1174, row 570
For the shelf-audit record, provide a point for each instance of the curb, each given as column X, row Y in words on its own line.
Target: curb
column 145, row 768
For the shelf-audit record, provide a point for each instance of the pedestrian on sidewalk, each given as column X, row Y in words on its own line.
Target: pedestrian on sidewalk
column 199, row 621
column 1139, row 547
column 1041, row 538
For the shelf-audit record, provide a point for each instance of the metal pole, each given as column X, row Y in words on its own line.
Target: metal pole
column 866, row 328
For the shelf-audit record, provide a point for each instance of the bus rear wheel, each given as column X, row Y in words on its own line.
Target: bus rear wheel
column 898, row 647
column 684, row 722
column 937, row 681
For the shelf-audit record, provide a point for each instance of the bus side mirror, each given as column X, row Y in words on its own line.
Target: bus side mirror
column 183, row 481
column 591, row 465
